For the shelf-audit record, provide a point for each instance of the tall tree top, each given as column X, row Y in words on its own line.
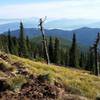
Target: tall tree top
column 74, row 37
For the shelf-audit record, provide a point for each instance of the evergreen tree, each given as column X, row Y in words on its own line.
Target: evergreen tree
column 97, row 67
column 91, row 62
column 56, row 51
column 87, row 67
column 66, row 58
column 51, row 49
column 62, row 56
column 28, row 46
column 32, row 49
column 73, row 53
column 1, row 43
column 43, row 51
column 10, row 44
column 40, row 51
column 4, row 43
column 16, row 46
column 22, row 42
column 81, row 60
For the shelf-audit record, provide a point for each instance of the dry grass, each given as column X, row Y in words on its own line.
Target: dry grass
column 80, row 80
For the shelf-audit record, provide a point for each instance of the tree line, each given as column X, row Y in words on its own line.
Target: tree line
column 71, row 56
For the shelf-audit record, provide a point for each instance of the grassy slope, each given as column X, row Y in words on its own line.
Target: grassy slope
column 78, row 80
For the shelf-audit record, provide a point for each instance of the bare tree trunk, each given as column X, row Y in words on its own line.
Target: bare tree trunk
column 46, row 48
column 44, row 41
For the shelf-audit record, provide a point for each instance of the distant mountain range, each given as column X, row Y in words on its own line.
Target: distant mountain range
column 85, row 36
column 63, row 24
column 63, row 28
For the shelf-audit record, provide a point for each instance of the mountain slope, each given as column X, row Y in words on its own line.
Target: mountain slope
column 63, row 42
column 85, row 36
column 30, row 79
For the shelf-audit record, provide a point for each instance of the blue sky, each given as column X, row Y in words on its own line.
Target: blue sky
column 7, row 2
column 18, row 1
column 69, row 9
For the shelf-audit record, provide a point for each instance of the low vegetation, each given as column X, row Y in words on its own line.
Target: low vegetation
column 74, row 81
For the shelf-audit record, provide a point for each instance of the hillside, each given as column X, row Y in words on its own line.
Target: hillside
column 85, row 35
column 63, row 42
column 26, row 79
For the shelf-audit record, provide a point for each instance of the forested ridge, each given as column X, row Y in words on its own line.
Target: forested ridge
column 72, row 55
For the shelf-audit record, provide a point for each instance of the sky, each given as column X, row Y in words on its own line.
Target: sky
column 69, row 9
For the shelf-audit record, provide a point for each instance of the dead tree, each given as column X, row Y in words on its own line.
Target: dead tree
column 44, row 39
column 95, row 49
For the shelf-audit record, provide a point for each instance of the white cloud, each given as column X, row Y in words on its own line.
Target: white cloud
column 26, row 10
column 86, row 9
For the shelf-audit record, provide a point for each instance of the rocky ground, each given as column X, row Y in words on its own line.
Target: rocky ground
column 36, row 87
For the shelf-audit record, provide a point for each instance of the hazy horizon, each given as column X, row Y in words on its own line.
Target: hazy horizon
column 61, row 14
column 54, row 9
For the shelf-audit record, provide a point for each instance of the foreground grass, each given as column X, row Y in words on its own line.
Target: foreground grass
column 79, row 81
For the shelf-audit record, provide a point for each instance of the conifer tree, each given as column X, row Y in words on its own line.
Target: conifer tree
column 66, row 58
column 28, row 44
column 22, row 42
column 51, row 50
column 1, row 44
column 91, row 62
column 56, row 51
column 62, row 56
column 16, row 45
column 73, row 54
column 88, row 62
column 4, row 43
column 10, row 43
column 94, row 48
column 81, row 60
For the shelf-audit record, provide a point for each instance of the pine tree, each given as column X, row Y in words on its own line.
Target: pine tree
column 16, row 46
column 51, row 49
column 10, row 43
column 22, row 42
column 91, row 62
column 62, row 56
column 56, row 51
column 41, row 51
column 73, row 60
column 66, row 58
column 4, row 43
column 88, row 63
column 81, row 60
column 28, row 44
column 94, row 49
column 97, row 67
column 1, row 43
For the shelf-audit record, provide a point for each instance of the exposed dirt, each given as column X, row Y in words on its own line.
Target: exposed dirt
column 36, row 88
column 4, row 57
